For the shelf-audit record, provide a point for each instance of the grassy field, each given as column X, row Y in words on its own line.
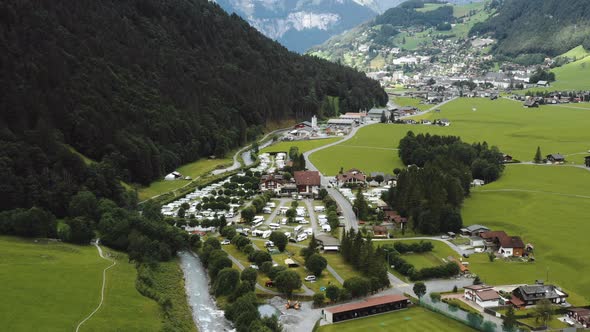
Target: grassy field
column 193, row 170
column 505, row 123
column 344, row 270
column 429, row 259
column 302, row 145
column 407, row 101
column 546, row 215
column 53, row 286
column 412, row 319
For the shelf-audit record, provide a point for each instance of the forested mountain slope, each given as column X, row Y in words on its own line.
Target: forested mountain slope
column 548, row 27
column 141, row 86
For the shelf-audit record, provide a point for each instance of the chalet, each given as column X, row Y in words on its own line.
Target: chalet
column 376, row 113
column 272, row 182
column 386, row 177
column 368, row 307
column 477, row 183
column 555, row 158
column 483, row 295
column 444, row 122
column 173, row 176
column 580, row 316
column 308, row 182
column 474, row 230
column 506, row 158
column 352, row 177
column 393, row 216
column 507, row 246
column 531, row 102
column 587, row 161
column 529, row 295
column 380, row 231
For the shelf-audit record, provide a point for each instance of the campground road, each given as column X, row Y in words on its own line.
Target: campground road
column 104, row 281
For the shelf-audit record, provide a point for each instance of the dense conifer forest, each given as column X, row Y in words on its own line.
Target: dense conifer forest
column 141, row 86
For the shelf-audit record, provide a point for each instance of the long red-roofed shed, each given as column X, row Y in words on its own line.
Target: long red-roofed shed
column 368, row 307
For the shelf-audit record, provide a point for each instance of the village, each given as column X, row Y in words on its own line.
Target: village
column 294, row 204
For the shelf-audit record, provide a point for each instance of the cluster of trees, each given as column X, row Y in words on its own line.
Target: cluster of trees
column 402, row 266
column 238, row 287
column 522, row 28
column 145, row 86
column 298, row 160
column 431, row 191
column 361, row 254
column 314, row 262
column 542, row 75
column 258, row 203
column 409, row 16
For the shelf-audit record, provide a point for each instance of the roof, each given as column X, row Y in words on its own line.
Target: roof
column 379, row 229
column 580, row 311
column 370, row 302
column 289, row 261
column 327, row 240
column 528, row 292
column 473, row 228
column 378, row 111
column 477, row 287
column 511, row 242
column 307, row 178
column 516, row 301
column 556, row 156
column 340, row 121
column 487, row 295
column 352, row 174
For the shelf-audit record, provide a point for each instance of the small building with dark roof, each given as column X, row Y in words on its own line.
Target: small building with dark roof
column 556, row 158
column 368, row 307
column 474, row 230
column 505, row 245
column 580, row 316
column 529, row 295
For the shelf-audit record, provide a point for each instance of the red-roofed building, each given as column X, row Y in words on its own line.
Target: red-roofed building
column 393, row 216
column 368, row 307
column 352, row 177
column 507, row 246
column 308, row 182
column 484, row 296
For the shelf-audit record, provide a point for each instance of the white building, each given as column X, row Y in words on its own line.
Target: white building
column 483, row 295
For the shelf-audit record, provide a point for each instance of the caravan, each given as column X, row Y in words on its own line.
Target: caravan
column 274, row 226
column 266, row 234
column 297, row 229
column 301, row 237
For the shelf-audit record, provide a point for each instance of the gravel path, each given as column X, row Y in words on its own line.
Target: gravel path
column 104, row 281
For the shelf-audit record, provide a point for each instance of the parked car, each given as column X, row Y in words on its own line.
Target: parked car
column 225, row 242
column 310, row 277
column 269, row 244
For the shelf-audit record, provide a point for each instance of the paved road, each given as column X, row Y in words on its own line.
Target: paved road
column 104, row 281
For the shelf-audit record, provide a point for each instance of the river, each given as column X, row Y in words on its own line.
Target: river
column 206, row 315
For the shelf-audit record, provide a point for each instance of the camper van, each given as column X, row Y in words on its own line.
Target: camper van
column 266, row 209
column 309, row 231
column 266, row 234
column 297, row 229
column 257, row 232
column 256, row 224
column 274, row 226
column 319, row 209
column 301, row 237
column 284, row 221
column 326, row 228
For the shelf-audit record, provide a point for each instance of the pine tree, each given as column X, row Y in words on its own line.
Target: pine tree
column 538, row 157
column 383, row 117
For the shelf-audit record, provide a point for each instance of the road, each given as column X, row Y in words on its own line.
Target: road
column 245, row 152
column 104, row 281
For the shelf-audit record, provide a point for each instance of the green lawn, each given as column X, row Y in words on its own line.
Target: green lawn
column 303, row 146
column 407, row 101
column 505, row 123
column 429, row 259
column 553, row 324
column 555, row 224
column 53, row 286
column 572, row 76
column 344, row 270
column 412, row 319
column 193, row 170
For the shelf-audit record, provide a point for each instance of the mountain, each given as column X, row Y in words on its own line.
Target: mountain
column 141, row 87
column 530, row 30
column 411, row 26
column 301, row 24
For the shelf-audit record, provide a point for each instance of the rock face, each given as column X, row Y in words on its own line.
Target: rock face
column 300, row 24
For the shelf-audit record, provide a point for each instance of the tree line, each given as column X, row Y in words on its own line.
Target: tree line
column 395, row 255
column 431, row 190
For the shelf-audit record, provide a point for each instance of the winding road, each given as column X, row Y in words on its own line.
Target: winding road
column 104, row 281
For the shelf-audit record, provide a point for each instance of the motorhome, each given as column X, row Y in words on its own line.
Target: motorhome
column 297, row 229
column 326, row 228
column 309, row 231
column 266, row 234
column 267, row 210
column 301, row 237
column 274, row 226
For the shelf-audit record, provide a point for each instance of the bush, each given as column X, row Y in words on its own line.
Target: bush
column 357, row 286
column 319, row 299
column 435, row 297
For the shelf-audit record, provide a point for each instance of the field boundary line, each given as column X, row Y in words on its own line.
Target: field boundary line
column 530, row 191
column 104, row 281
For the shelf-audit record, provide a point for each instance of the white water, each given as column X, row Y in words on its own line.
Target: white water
column 206, row 315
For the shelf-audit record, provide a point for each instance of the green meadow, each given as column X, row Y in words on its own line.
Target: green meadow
column 303, row 146
column 546, row 206
column 52, row 286
column 412, row 319
column 439, row 255
column 505, row 123
column 194, row 170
